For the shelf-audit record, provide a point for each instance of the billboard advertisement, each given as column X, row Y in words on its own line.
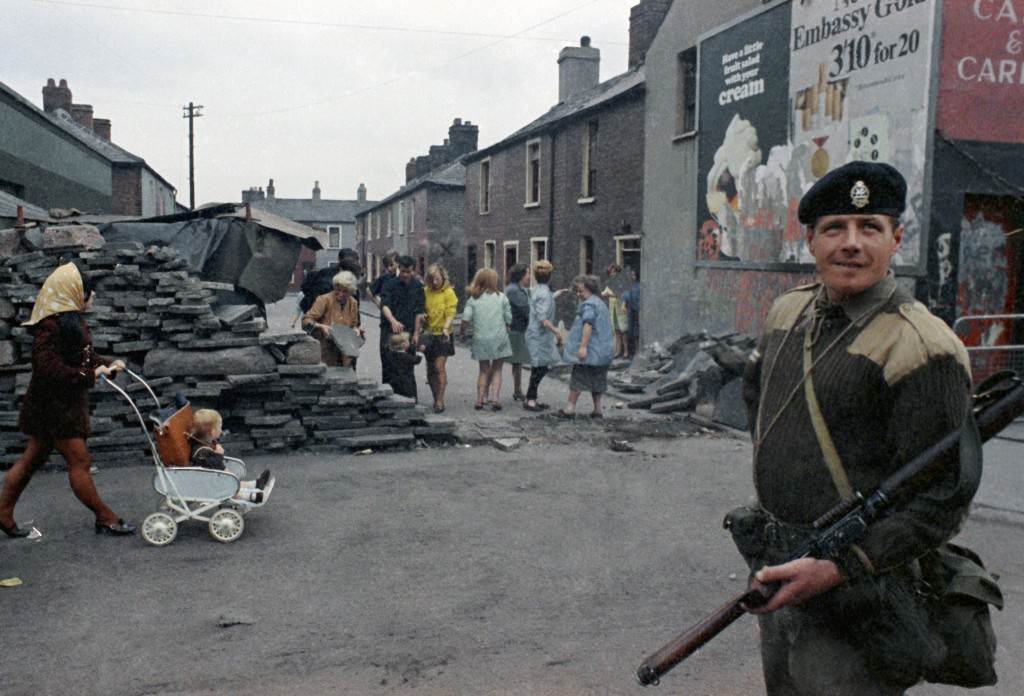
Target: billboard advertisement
column 742, row 106
column 981, row 73
column 857, row 89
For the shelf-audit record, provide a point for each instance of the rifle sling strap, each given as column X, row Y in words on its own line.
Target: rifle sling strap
column 828, row 447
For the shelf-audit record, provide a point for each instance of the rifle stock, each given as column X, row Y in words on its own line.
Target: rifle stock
column 999, row 402
column 695, row 637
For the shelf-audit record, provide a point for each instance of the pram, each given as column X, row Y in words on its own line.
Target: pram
column 190, row 493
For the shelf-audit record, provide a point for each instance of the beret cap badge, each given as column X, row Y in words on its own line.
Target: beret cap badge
column 860, row 195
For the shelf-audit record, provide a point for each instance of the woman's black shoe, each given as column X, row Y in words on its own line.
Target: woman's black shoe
column 121, row 528
column 14, row 531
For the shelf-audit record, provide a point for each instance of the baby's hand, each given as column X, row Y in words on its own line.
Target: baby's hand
column 218, row 448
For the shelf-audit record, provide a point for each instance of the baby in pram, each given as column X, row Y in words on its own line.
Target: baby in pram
column 207, row 452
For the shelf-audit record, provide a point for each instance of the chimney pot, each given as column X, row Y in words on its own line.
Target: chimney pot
column 270, row 190
column 585, row 41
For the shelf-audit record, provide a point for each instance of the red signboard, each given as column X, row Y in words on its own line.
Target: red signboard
column 981, row 79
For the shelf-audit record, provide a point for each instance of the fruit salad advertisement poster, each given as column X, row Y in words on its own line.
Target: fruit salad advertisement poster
column 856, row 88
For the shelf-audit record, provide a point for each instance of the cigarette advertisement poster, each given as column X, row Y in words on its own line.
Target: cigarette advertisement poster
column 981, row 74
column 858, row 89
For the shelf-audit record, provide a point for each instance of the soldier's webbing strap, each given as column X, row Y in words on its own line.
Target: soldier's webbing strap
column 828, row 447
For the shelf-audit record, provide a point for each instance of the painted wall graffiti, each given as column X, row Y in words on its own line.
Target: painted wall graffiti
column 751, row 294
column 984, row 286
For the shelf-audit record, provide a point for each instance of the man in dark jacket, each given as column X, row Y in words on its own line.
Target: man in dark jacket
column 319, row 282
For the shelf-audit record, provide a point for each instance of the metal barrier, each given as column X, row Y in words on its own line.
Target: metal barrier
column 981, row 334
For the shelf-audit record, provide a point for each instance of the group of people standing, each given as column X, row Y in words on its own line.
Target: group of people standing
column 515, row 325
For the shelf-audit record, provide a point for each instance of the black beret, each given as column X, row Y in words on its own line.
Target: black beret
column 857, row 188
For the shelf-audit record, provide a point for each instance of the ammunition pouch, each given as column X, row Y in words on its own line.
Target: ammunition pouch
column 957, row 591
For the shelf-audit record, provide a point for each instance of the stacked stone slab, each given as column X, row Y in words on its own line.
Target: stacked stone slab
column 151, row 311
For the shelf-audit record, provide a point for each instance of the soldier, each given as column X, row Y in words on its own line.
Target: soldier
column 852, row 377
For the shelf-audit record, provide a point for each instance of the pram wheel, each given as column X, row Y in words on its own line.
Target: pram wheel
column 159, row 529
column 226, row 525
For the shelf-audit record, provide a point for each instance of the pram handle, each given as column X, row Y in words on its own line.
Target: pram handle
column 142, row 421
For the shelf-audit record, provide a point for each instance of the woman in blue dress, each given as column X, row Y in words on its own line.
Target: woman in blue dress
column 542, row 337
column 589, row 348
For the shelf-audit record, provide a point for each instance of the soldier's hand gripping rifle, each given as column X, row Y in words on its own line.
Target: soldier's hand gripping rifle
column 999, row 400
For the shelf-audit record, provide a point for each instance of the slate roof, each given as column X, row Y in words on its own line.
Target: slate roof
column 305, row 210
column 63, row 120
column 585, row 101
column 451, row 175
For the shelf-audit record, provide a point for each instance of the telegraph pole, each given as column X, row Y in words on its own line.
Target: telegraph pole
column 191, row 113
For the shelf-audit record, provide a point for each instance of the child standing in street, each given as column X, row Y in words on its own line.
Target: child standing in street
column 400, row 371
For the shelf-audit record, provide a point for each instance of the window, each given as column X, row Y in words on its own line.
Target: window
column 401, row 217
column 485, row 186
column 627, row 251
column 334, row 237
column 410, row 215
column 489, row 248
column 390, row 220
column 511, row 255
column 686, row 92
column 586, row 255
column 376, row 224
column 589, row 173
column 538, row 249
column 470, row 262
column 533, row 172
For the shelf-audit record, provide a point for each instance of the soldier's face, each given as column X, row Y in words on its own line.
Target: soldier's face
column 852, row 252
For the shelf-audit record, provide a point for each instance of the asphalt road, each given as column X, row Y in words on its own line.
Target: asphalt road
column 552, row 569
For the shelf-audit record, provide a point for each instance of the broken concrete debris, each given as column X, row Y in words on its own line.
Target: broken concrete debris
column 168, row 325
column 697, row 372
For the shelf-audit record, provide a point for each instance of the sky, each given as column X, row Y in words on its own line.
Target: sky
column 340, row 91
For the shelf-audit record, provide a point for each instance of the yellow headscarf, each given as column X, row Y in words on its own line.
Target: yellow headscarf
column 61, row 292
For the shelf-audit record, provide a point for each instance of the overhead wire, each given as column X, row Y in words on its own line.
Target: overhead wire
column 399, row 78
column 311, row 23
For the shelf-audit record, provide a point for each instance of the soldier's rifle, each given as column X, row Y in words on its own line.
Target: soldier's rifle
column 999, row 401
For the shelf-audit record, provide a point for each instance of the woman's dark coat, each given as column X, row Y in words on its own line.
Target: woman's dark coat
column 56, row 405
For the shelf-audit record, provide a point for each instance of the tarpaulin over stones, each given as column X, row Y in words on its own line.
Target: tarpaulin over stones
column 248, row 255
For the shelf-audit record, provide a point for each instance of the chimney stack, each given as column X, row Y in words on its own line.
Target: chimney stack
column 361, row 191
column 462, row 137
column 55, row 97
column 316, row 191
column 270, row 190
column 252, row 195
column 82, row 114
column 101, row 127
column 579, row 69
column 644, row 21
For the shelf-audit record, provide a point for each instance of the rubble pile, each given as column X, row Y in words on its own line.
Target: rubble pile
column 152, row 312
column 697, row 372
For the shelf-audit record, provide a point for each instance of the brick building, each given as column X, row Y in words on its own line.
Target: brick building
column 424, row 218
column 62, row 157
column 334, row 218
column 568, row 187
